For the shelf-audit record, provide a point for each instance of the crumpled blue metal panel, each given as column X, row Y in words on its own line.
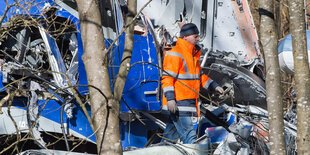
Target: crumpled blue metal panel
column 141, row 91
column 142, row 85
column 286, row 43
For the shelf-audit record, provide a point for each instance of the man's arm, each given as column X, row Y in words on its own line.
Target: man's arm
column 209, row 84
column 171, row 67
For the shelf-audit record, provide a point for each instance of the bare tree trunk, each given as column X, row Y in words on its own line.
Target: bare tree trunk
column 112, row 130
column 104, row 115
column 126, row 58
column 105, row 109
column 302, row 75
column 268, row 38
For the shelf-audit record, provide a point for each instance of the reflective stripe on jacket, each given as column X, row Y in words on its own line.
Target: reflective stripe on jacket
column 182, row 76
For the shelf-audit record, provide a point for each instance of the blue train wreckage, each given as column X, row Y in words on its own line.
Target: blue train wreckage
column 41, row 67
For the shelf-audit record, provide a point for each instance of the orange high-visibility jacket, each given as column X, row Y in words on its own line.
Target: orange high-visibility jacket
column 182, row 77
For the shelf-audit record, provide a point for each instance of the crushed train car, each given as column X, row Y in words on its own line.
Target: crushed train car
column 285, row 53
column 41, row 69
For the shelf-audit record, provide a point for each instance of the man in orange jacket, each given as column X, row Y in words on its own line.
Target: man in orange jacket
column 181, row 82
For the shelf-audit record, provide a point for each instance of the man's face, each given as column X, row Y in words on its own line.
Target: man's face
column 193, row 39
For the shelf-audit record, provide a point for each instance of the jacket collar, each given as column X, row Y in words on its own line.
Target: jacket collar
column 186, row 46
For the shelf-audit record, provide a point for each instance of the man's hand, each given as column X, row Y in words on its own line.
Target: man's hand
column 172, row 106
column 219, row 90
